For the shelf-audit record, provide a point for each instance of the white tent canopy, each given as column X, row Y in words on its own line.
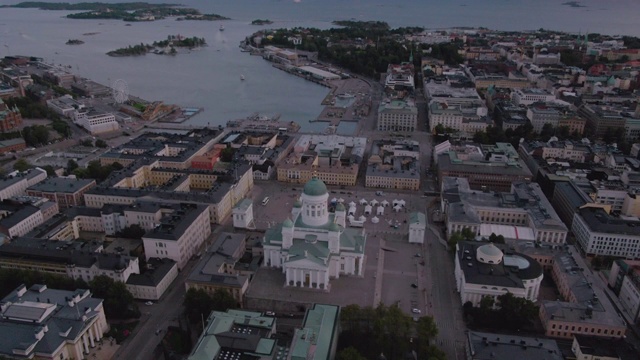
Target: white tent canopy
column 375, row 220
column 350, row 217
column 367, row 209
column 362, row 218
column 380, row 210
column 373, row 202
column 352, row 211
column 385, row 203
column 397, row 208
column 341, row 200
column 352, row 204
column 334, row 200
column 363, row 201
column 402, row 202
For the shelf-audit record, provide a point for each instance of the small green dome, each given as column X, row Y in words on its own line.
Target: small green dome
column 315, row 187
column 334, row 227
column 287, row 223
column 340, row 207
column 297, row 204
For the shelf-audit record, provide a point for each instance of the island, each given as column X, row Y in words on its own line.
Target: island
column 127, row 11
column 164, row 47
column 574, row 4
column 205, row 17
column 261, row 22
column 74, row 42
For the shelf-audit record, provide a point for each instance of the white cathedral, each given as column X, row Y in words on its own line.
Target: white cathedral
column 313, row 245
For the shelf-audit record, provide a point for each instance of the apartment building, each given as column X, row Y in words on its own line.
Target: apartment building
column 75, row 259
column 394, row 165
column 567, row 199
column 522, row 214
column 155, row 280
column 44, row 323
column 17, row 220
column 180, row 234
column 530, row 96
column 67, row 192
column 16, row 183
column 624, row 279
column 397, row 115
column 332, row 158
column 454, row 89
column 487, row 167
column 482, row 346
column 216, row 269
column 600, row 118
column 600, row 233
column 465, row 120
column 586, row 310
column 484, row 270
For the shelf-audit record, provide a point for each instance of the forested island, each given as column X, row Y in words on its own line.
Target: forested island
column 261, row 22
column 163, row 47
column 127, row 11
column 74, row 42
column 205, row 17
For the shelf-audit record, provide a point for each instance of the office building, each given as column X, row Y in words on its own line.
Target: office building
column 95, row 122
column 180, row 234
column 318, row 337
column 16, row 183
column 482, row 346
column 599, row 233
column 397, row 115
column 154, row 281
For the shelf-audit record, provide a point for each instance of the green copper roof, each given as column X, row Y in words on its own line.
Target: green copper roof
column 334, row 227
column 315, row 187
column 287, row 223
column 340, row 207
column 297, row 204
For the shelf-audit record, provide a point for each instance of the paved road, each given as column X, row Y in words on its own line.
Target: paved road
column 157, row 316
column 443, row 303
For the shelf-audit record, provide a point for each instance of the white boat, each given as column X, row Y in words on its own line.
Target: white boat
column 221, row 27
column 241, row 77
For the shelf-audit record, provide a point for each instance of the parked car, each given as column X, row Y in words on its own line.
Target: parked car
column 149, row 303
column 416, row 311
column 270, row 313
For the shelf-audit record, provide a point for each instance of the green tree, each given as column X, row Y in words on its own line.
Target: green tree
column 350, row 353
column 497, row 239
column 426, row 330
column 226, row 155
column 50, row 170
column 515, row 312
column 197, row 305
column 546, row 132
column 87, row 143
column 223, row 300
column 132, row 232
column 101, row 143
column 118, row 301
column 71, row 166
column 21, row 165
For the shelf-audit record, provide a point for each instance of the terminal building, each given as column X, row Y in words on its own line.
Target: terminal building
column 314, row 246
column 95, row 122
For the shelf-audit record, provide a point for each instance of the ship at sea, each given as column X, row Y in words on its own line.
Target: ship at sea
column 221, row 27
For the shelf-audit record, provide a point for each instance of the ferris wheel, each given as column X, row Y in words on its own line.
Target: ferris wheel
column 120, row 91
